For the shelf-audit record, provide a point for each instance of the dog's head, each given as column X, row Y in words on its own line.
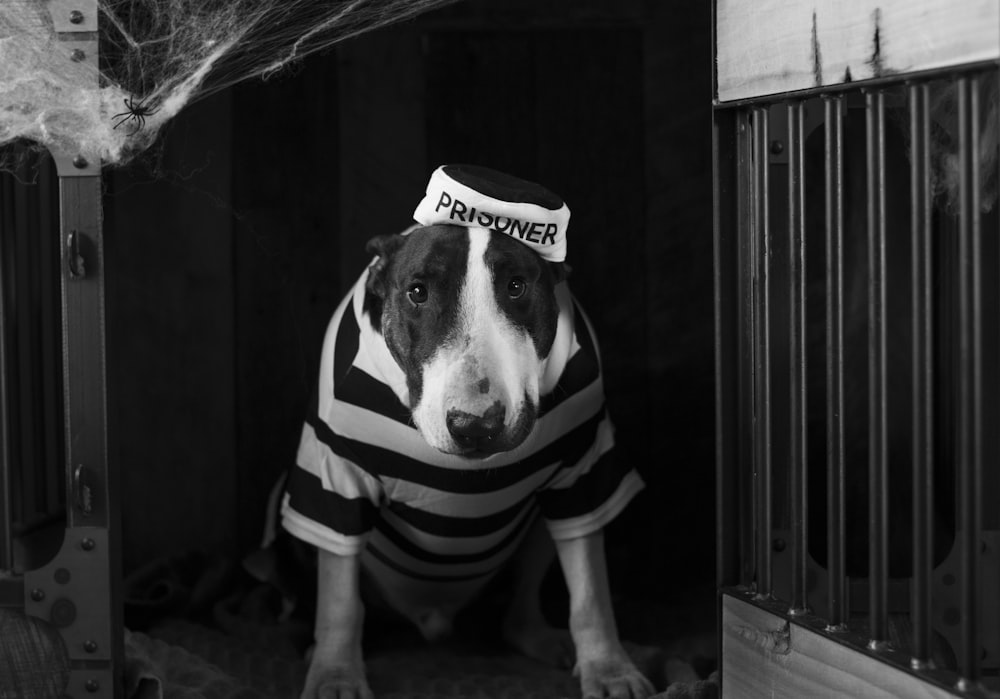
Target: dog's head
column 470, row 316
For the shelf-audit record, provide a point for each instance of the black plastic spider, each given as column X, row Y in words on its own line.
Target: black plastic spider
column 135, row 112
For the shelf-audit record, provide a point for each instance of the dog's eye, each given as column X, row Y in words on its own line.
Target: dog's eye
column 516, row 287
column 417, row 294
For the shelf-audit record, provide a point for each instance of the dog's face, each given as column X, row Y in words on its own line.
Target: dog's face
column 470, row 316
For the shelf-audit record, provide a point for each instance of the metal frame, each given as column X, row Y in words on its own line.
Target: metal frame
column 746, row 289
column 78, row 591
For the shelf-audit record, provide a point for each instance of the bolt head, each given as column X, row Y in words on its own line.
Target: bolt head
column 88, row 544
column 79, row 162
column 38, row 594
column 76, row 17
column 90, row 646
column 77, row 55
column 777, row 147
column 92, row 685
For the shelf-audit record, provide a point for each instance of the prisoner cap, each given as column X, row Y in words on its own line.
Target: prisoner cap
column 474, row 196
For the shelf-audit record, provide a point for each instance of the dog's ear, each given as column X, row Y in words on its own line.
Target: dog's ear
column 560, row 271
column 384, row 246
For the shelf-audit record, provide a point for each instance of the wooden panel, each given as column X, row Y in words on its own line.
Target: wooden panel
column 285, row 245
column 677, row 279
column 772, row 46
column 764, row 655
column 170, row 341
column 383, row 170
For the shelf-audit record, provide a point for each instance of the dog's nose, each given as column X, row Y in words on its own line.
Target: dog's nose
column 476, row 431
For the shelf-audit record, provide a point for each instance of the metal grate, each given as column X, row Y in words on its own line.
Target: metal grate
column 31, row 405
column 858, row 366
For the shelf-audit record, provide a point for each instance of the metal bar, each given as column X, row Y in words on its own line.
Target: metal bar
column 50, row 357
column 834, row 168
column 6, row 495
column 745, row 368
column 19, row 318
column 726, row 297
column 798, row 429
column 970, row 380
column 84, row 369
column 921, row 200
column 762, row 352
column 878, row 462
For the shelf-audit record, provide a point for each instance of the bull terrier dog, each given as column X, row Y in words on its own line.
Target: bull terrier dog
column 460, row 426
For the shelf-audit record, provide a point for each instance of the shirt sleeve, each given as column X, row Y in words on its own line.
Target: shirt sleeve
column 587, row 494
column 330, row 501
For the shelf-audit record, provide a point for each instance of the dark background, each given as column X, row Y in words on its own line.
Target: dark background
column 231, row 242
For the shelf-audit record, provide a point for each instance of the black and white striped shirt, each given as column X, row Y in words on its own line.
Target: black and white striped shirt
column 366, row 483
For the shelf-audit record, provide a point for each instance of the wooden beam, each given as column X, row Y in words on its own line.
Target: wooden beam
column 765, row 656
column 772, row 46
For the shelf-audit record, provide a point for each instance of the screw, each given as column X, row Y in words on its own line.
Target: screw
column 79, row 162
column 92, row 685
column 76, row 17
column 38, row 594
column 77, row 55
column 777, row 147
column 88, row 544
column 90, row 646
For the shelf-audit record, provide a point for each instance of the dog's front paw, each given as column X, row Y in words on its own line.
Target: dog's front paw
column 336, row 682
column 612, row 678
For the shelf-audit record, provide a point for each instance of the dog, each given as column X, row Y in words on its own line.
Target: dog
column 460, row 415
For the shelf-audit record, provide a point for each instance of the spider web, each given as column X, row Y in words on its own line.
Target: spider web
column 157, row 56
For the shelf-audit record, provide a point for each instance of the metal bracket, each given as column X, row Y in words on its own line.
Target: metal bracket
column 946, row 597
column 75, row 23
column 75, row 165
column 73, row 15
column 71, row 593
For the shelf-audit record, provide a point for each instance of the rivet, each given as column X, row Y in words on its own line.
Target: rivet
column 88, row 544
column 79, row 162
column 90, row 646
column 77, row 55
column 76, row 17
column 92, row 685
column 777, row 147
column 38, row 594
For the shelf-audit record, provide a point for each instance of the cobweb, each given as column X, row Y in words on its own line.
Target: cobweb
column 158, row 56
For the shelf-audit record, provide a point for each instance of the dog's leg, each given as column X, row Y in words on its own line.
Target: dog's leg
column 524, row 626
column 602, row 665
column 337, row 669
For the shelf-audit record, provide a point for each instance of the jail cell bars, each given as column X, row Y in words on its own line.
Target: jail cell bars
column 32, row 480
column 857, row 314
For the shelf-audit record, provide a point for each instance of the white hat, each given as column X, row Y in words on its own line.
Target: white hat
column 468, row 195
